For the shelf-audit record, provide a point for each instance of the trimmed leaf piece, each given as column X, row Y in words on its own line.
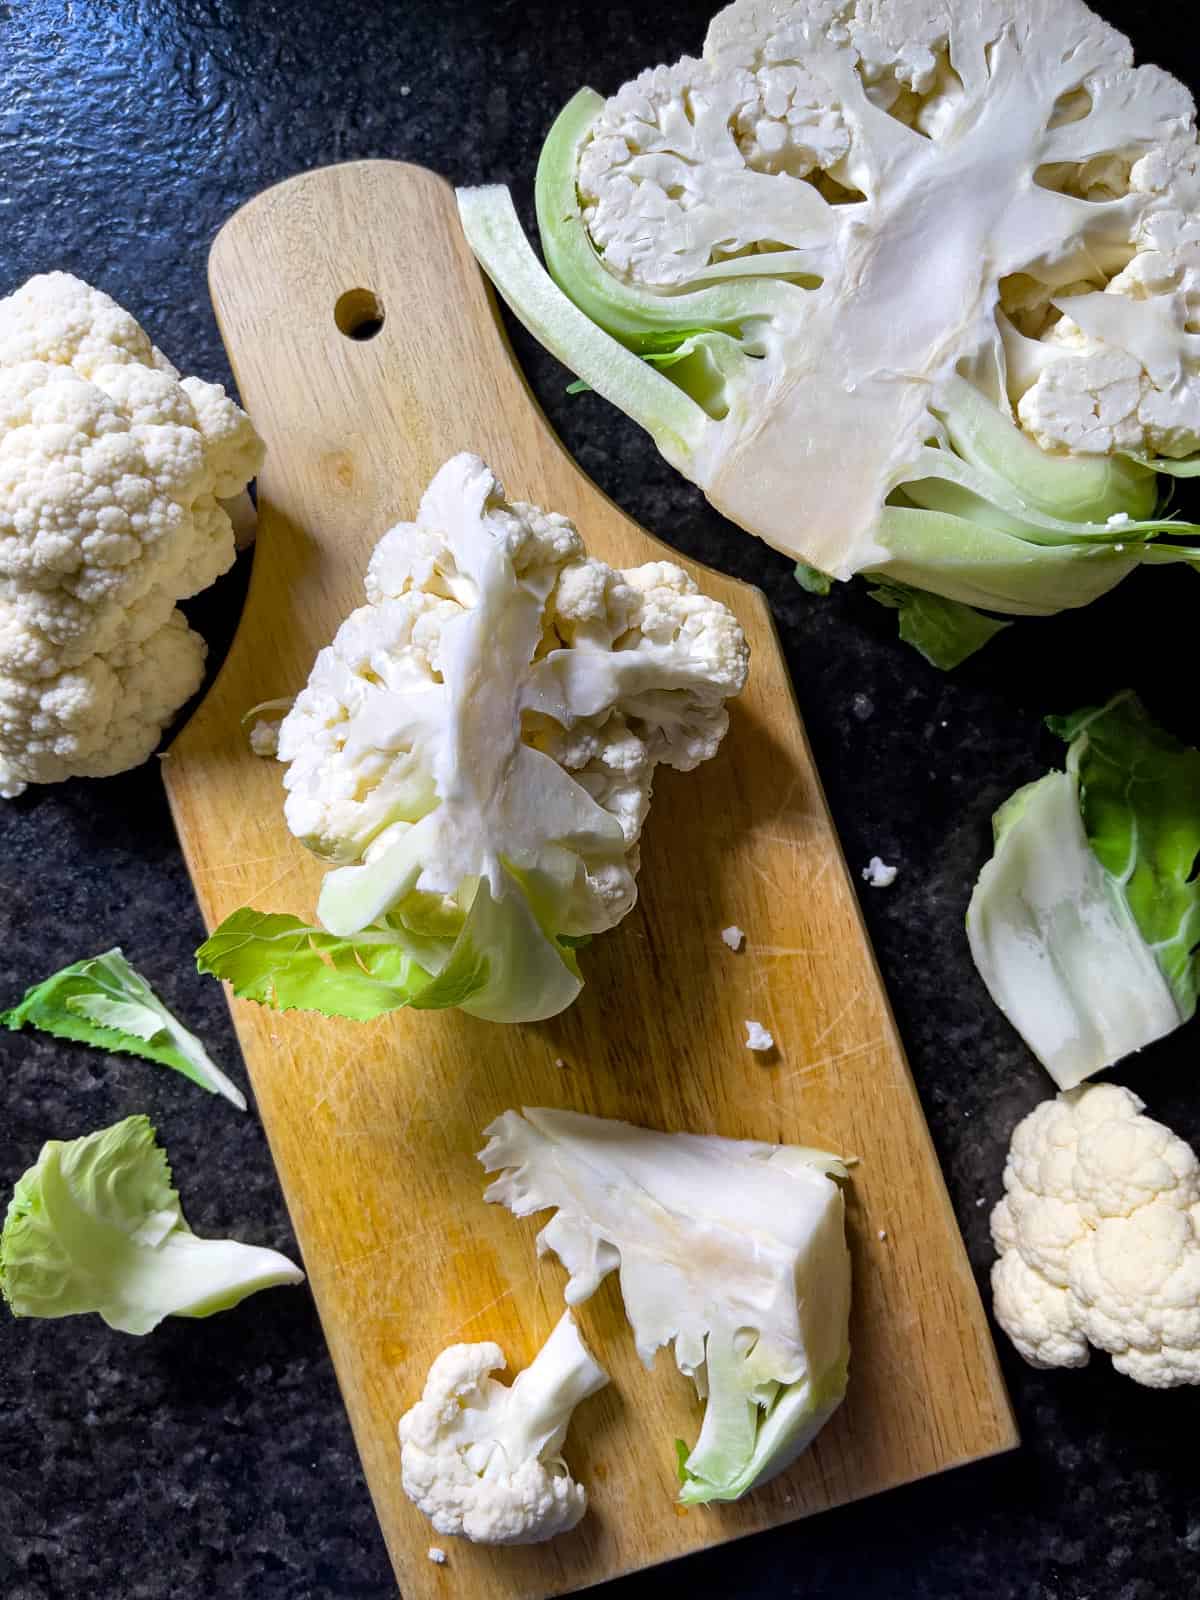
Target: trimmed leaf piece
column 945, row 631
column 733, row 1252
column 96, row 1226
column 1085, row 922
column 104, row 1002
column 500, row 965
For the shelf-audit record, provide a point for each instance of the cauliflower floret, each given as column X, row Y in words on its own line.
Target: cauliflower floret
column 489, row 632
column 483, row 1461
column 111, row 473
column 1132, row 380
column 1099, row 1239
column 58, row 318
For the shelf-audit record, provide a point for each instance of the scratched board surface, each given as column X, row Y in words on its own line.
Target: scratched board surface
column 374, row 1128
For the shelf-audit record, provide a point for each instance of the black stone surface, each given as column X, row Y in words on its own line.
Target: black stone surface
column 213, row 1459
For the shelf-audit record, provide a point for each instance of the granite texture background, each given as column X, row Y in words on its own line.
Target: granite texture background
column 213, row 1460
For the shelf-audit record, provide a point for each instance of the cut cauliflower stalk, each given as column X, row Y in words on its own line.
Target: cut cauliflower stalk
column 1099, row 1239
column 732, row 1251
column 484, row 1461
column 475, row 753
column 114, row 469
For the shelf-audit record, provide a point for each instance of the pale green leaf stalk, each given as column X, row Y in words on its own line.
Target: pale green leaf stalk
column 96, row 1226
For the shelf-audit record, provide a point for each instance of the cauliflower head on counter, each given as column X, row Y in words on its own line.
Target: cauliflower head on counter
column 1099, row 1239
column 483, row 1460
column 113, row 469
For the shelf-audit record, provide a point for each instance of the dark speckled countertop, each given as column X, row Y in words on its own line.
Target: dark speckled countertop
column 212, row 1460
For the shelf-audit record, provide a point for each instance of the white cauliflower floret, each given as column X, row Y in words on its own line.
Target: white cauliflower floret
column 484, row 1461
column 1099, row 1239
column 111, row 475
column 512, row 696
column 1133, row 378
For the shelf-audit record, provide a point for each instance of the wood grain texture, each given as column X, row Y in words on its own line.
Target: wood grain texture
column 374, row 1128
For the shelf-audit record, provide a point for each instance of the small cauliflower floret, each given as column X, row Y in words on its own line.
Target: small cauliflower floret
column 1099, row 1239
column 484, row 1461
column 112, row 473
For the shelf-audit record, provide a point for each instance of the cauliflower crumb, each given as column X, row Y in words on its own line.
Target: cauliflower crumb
column 264, row 738
column 882, row 1234
column 733, row 936
column 879, row 874
column 560, row 1063
column 757, row 1037
column 437, row 1555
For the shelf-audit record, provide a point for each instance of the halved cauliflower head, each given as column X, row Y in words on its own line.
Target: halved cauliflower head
column 907, row 287
column 496, row 712
column 112, row 474
column 1099, row 1239
column 483, row 1460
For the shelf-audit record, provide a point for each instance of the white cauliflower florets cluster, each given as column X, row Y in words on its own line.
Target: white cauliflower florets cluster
column 496, row 659
column 483, row 1461
column 112, row 473
column 679, row 169
column 1130, row 377
column 1099, row 1239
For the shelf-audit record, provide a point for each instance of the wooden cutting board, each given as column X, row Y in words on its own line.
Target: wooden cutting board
column 374, row 1128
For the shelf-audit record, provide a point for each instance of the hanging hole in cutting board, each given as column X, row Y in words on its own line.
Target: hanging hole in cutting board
column 359, row 314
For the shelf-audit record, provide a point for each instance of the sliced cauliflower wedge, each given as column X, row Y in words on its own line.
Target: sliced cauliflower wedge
column 114, row 471
column 732, row 1251
column 1099, row 1239
column 474, row 753
column 483, row 1460
column 907, row 287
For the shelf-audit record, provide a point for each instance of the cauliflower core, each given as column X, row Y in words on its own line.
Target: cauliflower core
column 1099, row 1239
column 483, row 1461
column 112, row 473
column 497, row 710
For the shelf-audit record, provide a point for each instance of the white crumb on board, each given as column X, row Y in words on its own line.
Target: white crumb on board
column 882, row 1233
column 437, row 1555
column 733, row 936
column 559, row 1063
column 757, row 1037
column 878, row 874
column 264, row 738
